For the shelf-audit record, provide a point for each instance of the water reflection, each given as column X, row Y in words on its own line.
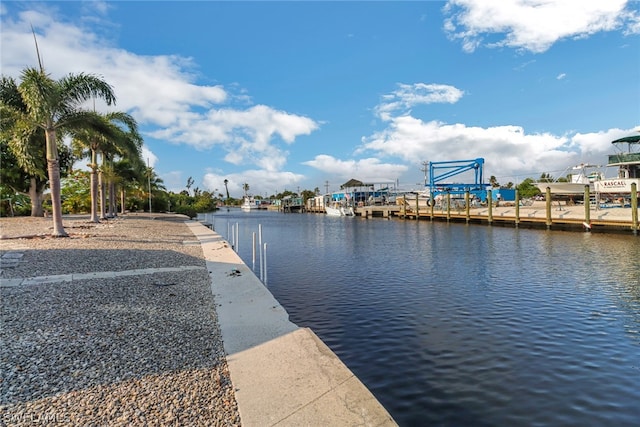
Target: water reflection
column 450, row 324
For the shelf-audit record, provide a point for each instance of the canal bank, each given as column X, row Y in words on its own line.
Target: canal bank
column 117, row 325
column 282, row 374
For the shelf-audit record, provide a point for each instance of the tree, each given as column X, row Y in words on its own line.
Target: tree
column 125, row 143
column 75, row 190
column 546, row 177
column 226, row 182
column 189, row 184
column 527, row 189
column 24, row 166
column 104, row 137
column 245, row 188
column 153, row 183
column 129, row 172
column 55, row 106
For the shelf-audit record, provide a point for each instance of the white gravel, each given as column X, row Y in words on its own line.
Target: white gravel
column 134, row 350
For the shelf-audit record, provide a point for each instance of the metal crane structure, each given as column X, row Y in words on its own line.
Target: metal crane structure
column 441, row 171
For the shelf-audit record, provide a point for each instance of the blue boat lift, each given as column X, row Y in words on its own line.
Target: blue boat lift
column 439, row 172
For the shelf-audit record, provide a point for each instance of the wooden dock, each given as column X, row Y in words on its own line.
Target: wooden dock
column 557, row 217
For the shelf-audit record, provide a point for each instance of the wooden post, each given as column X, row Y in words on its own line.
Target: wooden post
column 490, row 205
column 431, row 203
column 548, row 200
column 448, row 206
column 404, row 206
column 634, row 207
column 466, row 204
column 587, row 208
column 417, row 205
column 517, row 208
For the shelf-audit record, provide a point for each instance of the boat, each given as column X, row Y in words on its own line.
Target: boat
column 337, row 208
column 581, row 175
column 409, row 200
column 249, row 203
column 628, row 164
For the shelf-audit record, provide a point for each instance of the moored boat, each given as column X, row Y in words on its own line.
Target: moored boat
column 249, row 203
column 628, row 164
column 580, row 176
column 337, row 208
column 411, row 199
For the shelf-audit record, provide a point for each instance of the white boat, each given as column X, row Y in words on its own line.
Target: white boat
column 628, row 164
column 580, row 176
column 409, row 200
column 336, row 208
column 249, row 203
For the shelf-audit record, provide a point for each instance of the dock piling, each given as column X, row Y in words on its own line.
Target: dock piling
column 634, row 208
column 517, row 221
column 587, row 208
column 466, row 205
column 548, row 200
column 490, row 206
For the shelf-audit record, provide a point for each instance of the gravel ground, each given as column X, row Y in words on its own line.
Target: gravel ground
column 135, row 350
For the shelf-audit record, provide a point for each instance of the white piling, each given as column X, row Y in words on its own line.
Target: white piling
column 260, row 246
column 237, row 237
column 253, row 251
column 265, row 264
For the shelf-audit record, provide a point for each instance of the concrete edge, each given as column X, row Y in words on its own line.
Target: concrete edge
column 282, row 374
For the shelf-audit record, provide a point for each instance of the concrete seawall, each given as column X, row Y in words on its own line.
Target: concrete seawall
column 282, row 374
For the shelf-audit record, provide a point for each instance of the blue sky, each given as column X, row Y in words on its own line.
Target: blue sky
column 303, row 95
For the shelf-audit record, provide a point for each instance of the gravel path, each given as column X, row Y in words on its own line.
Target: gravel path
column 143, row 349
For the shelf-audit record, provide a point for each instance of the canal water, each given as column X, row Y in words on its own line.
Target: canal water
column 458, row 325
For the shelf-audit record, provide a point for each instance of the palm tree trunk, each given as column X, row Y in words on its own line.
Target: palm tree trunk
column 94, row 186
column 53, row 167
column 122, row 200
column 112, row 200
column 103, row 195
column 36, row 198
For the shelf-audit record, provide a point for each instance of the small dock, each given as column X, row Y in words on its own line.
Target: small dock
column 384, row 211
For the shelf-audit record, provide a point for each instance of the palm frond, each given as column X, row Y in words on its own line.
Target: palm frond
column 78, row 88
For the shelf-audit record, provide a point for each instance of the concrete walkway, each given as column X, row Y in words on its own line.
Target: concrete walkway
column 283, row 375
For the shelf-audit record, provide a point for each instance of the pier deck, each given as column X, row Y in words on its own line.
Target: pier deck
column 559, row 217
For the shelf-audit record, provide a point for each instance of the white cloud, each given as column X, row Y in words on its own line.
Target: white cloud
column 260, row 182
column 149, row 157
column 160, row 91
column 534, row 25
column 174, row 181
column 508, row 149
column 408, row 96
column 368, row 170
column 561, row 76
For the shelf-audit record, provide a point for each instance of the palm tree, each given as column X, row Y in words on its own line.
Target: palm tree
column 226, row 181
column 56, row 106
column 24, row 163
column 129, row 172
column 154, row 183
column 113, row 134
column 88, row 143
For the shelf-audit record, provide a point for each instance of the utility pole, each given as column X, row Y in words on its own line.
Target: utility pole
column 326, row 187
column 149, row 182
column 425, row 169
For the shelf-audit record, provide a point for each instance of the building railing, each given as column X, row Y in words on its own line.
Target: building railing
column 624, row 158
